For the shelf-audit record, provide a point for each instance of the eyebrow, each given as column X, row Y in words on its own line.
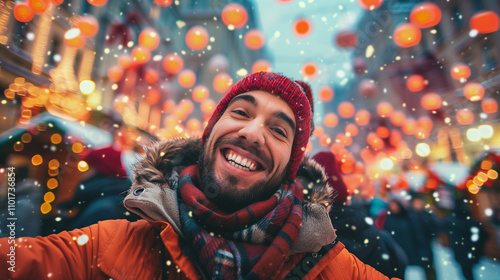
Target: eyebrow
column 252, row 101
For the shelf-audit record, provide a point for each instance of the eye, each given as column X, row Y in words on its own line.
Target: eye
column 279, row 131
column 240, row 112
column 138, row 191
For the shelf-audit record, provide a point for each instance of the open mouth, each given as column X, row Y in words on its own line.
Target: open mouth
column 240, row 161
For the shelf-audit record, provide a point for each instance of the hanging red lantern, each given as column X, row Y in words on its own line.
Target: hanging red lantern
column 186, row 78
column 359, row 65
column 330, row 120
column 23, row 12
column 125, row 61
column 489, row 105
column 346, row 109
column 397, row 118
column 164, row 3
column 460, row 71
column 484, row 22
column 346, row 39
column 234, row 16
column 200, row 93
column 88, row 25
column 335, row 148
column 254, row 39
column 149, row 38
column 425, row 15
column 173, row 63
column 367, row 88
column 115, row 73
column 310, row 70
column 140, row 55
column 261, row 65
column 384, row 109
column 351, row 130
column 325, row 94
column 464, row 117
column 97, row 3
column 38, row 6
column 415, row 83
column 302, row 27
column 57, row 2
column 151, row 76
column 197, row 38
column 153, row 96
column 409, row 126
column 73, row 38
column 370, row 4
column 407, row 35
column 383, row 132
column 431, row 101
column 362, row 117
column 222, row 82
column 421, row 133
column 186, row 106
column 396, row 138
column 473, row 91
column 343, row 139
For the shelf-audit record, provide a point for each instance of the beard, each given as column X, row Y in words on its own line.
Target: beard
column 222, row 192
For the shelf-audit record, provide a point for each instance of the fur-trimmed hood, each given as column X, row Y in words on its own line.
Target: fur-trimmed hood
column 153, row 193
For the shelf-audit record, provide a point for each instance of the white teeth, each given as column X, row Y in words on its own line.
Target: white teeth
column 238, row 159
column 239, row 162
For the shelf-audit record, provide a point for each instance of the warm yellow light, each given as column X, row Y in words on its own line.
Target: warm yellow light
column 45, row 208
column 52, row 183
column 486, row 164
column 56, row 138
column 77, row 148
column 49, row 197
column 492, row 174
column 423, row 149
column 473, row 135
column 18, row 146
column 386, row 164
column 83, row 166
column 481, row 176
column 26, row 138
column 87, row 87
column 485, row 131
column 36, row 160
column 53, row 164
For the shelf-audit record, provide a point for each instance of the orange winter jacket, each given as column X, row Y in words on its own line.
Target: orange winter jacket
column 120, row 249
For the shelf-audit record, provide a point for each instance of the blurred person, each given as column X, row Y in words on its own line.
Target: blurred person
column 226, row 207
column 466, row 237
column 429, row 223
column 400, row 221
column 355, row 228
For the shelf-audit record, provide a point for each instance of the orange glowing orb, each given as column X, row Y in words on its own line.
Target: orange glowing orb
column 222, row 82
column 38, row 6
column 415, row 83
column 74, row 38
column 362, row 117
column 325, row 94
column 460, row 71
column 88, row 25
column 310, row 70
column 384, row 109
column 474, row 91
column 485, row 22
column 23, row 12
column 164, row 3
column 407, row 35
column 397, row 118
column 153, row 96
column 261, row 65
column 302, row 27
column 346, row 109
column 151, row 76
column 97, row 3
column 489, row 105
column 140, row 55
column 425, row 15
column 197, row 38
column 234, row 16
column 149, row 38
column 186, row 78
column 173, row 63
column 330, row 120
column 200, row 93
column 254, row 39
column 464, row 117
column 370, row 4
column 346, row 39
column 431, row 101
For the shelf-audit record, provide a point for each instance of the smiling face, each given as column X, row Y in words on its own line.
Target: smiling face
column 246, row 156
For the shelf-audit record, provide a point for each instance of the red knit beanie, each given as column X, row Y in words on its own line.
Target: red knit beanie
column 106, row 161
column 290, row 92
column 332, row 170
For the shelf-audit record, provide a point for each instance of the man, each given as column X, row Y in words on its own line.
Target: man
column 237, row 214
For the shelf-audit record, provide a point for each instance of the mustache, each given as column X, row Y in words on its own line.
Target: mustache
column 247, row 146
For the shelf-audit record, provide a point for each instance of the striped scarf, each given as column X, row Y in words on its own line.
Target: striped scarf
column 251, row 243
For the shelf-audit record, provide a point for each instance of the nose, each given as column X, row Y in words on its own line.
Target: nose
column 253, row 132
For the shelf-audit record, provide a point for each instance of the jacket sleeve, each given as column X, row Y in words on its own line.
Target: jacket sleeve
column 67, row 255
column 341, row 264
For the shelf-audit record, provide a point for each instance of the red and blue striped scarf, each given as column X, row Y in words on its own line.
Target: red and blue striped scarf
column 251, row 243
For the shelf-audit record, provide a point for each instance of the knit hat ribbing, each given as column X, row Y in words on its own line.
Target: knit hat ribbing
column 290, row 92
